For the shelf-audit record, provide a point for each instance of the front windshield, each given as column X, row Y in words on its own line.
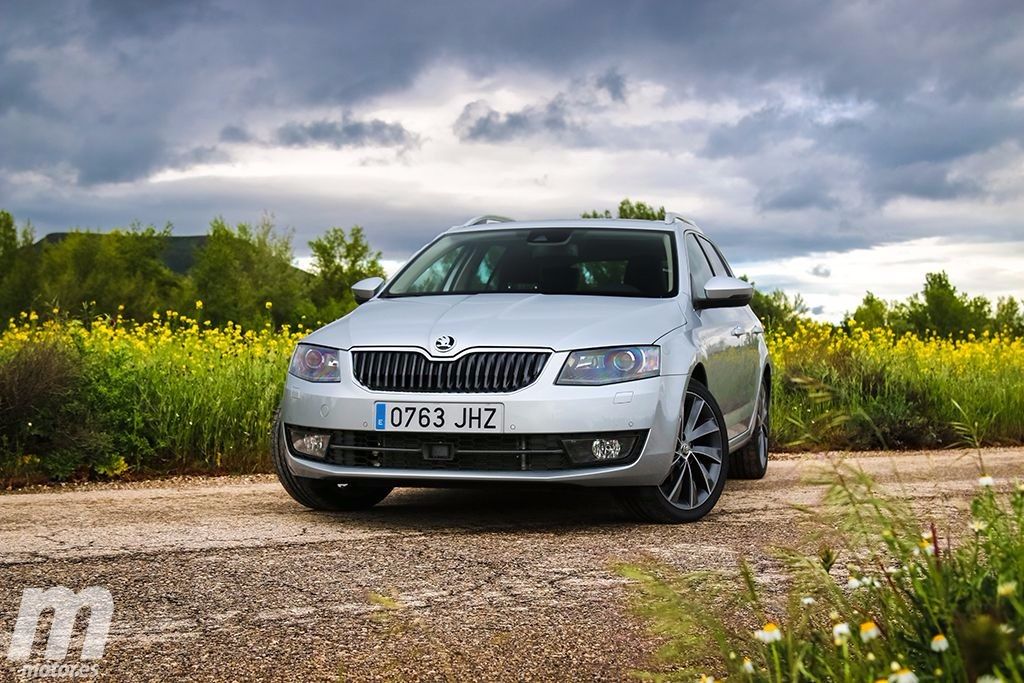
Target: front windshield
column 588, row 261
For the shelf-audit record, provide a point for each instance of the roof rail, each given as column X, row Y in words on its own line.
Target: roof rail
column 486, row 218
column 671, row 217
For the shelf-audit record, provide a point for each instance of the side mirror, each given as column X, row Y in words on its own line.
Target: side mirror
column 364, row 290
column 724, row 292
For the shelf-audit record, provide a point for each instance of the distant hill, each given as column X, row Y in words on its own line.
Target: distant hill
column 179, row 255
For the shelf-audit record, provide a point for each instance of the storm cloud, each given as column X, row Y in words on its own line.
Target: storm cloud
column 346, row 132
column 792, row 126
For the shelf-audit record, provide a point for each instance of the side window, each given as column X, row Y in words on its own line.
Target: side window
column 435, row 275
column 718, row 264
column 700, row 270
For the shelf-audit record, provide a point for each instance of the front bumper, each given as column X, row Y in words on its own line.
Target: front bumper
column 650, row 405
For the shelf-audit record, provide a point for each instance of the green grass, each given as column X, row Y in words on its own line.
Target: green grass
column 911, row 606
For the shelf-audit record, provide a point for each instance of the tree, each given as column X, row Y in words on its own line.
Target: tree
column 245, row 274
column 8, row 241
column 340, row 261
column 627, row 209
column 872, row 312
column 103, row 272
column 1009, row 317
column 942, row 309
column 776, row 310
column 18, row 277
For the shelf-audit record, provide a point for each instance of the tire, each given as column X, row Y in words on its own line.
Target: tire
column 751, row 461
column 321, row 494
column 665, row 503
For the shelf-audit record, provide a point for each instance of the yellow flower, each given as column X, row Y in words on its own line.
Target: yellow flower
column 199, row 304
column 1006, row 589
column 269, row 305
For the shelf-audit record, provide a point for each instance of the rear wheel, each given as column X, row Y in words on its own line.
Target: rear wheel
column 751, row 461
column 699, row 466
column 321, row 494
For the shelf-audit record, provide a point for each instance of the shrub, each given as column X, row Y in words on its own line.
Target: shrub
column 44, row 423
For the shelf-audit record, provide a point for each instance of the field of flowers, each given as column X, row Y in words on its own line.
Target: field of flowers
column 174, row 394
column 855, row 389
column 117, row 397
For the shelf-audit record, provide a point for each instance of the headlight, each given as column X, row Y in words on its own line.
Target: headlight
column 315, row 363
column 608, row 366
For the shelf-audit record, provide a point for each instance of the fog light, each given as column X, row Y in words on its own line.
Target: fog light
column 601, row 449
column 313, row 444
column 606, row 449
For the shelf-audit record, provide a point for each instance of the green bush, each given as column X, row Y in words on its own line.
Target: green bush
column 45, row 420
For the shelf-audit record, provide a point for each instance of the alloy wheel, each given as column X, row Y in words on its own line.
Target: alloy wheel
column 697, row 461
column 762, row 426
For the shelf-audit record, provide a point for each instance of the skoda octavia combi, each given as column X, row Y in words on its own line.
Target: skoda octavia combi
column 594, row 352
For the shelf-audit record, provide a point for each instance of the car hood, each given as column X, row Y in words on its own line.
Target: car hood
column 559, row 322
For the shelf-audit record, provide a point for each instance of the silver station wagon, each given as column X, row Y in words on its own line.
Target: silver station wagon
column 615, row 353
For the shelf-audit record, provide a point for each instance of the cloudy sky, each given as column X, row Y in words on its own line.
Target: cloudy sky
column 829, row 147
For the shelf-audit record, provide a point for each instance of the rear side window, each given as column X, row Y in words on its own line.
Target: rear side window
column 700, row 269
column 718, row 263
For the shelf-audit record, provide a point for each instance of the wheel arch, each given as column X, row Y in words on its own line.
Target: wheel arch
column 699, row 373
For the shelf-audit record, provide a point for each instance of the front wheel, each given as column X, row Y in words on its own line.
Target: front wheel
column 699, row 468
column 321, row 494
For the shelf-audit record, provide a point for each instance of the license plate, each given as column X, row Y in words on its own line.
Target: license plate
column 439, row 417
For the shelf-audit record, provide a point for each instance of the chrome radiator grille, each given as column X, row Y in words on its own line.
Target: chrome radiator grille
column 484, row 372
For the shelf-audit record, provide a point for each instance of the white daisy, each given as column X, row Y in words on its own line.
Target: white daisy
column 939, row 643
column 903, row 675
column 769, row 634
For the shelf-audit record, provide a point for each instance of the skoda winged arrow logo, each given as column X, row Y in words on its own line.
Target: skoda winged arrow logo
column 444, row 343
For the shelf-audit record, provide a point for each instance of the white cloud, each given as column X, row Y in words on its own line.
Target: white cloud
column 892, row 271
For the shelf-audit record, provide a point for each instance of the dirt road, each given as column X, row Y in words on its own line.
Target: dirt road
column 228, row 579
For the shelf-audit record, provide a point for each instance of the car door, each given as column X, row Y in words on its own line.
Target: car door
column 715, row 336
column 745, row 329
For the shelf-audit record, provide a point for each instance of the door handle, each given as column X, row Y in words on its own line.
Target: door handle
column 738, row 331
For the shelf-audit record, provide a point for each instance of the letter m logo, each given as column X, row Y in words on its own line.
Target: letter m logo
column 66, row 604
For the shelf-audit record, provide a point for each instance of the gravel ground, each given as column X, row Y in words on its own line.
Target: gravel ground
column 228, row 579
